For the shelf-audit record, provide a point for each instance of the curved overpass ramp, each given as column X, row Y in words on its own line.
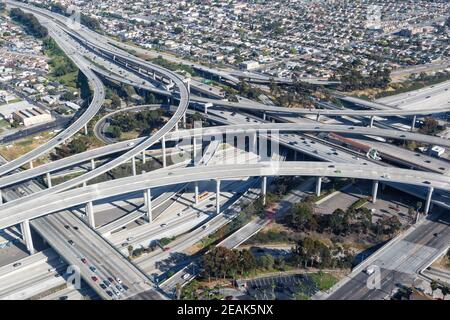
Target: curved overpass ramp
column 57, row 202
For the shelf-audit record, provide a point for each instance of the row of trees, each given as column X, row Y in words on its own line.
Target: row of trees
column 85, row 20
column 61, row 64
column 77, row 145
column 314, row 253
column 29, row 22
column 144, row 122
column 353, row 221
column 353, row 79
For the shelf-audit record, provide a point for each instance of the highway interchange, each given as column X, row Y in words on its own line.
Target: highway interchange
column 47, row 209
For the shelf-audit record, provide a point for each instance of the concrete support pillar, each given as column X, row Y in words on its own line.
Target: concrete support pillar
column 90, row 214
column 49, row 180
column 1, row 197
column 148, row 204
column 84, row 184
column 133, row 165
column 217, row 196
column 163, row 143
column 371, row 121
column 196, row 191
column 31, row 164
column 206, row 108
column 176, row 126
column 184, row 120
column 374, row 191
column 144, row 158
column 264, row 116
column 318, row 117
column 254, row 146
column 26, row 233
column 428, row 203
column 264, row 189
column 318, row 186
column 413, row 124
column 85, row 130
column 93, row 164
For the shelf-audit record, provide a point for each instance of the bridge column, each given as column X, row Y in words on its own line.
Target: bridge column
column 196, row 191
column 92, row 164
column 413, row 124
column 255, row 143
column 31, row 164
column 318, row 117
column 374, row 191
column 133, row 165
column 90, row 214
column 428, row 203
column 144, row 158
column 49, row 180
column 163, row 143
column 264, row 116
column 184, row 120
column 148, row 204
column 318, row 186
column 206, row 108
column 264, row 190
column 85, row 130
column 217, row 196
column 26, row 233
column 176, row 126
column 371, row 121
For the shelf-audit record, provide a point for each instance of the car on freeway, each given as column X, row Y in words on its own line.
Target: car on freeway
column 185, row 276
column 94, row 278
column 92, row 268
column 337, row 171
column 163, row 225
column 166, row 248
column 76, row 228
column 67, row 227
column 17, row 264
column 84, row 260
column 71, row 242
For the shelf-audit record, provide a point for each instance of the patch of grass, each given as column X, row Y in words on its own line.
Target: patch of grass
column 323, row 281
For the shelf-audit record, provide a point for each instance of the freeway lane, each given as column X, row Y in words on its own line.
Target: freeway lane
column 71, row 198
column 402, row 262
column 215, row 131
column 95, row 105
column 145, row 144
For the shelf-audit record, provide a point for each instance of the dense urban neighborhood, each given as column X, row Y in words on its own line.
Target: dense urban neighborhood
column 225, row 150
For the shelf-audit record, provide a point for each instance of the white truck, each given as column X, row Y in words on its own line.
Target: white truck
column 370, row 270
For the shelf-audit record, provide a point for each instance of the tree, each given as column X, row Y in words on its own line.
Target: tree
column 178, row 30
column 130, row 251
column 301, row 217
column 265, row 261
column 115, row 100
column 445, row 290
column 115, row 132
column 434, row 286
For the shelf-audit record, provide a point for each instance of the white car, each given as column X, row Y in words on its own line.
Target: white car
column 185, row 276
